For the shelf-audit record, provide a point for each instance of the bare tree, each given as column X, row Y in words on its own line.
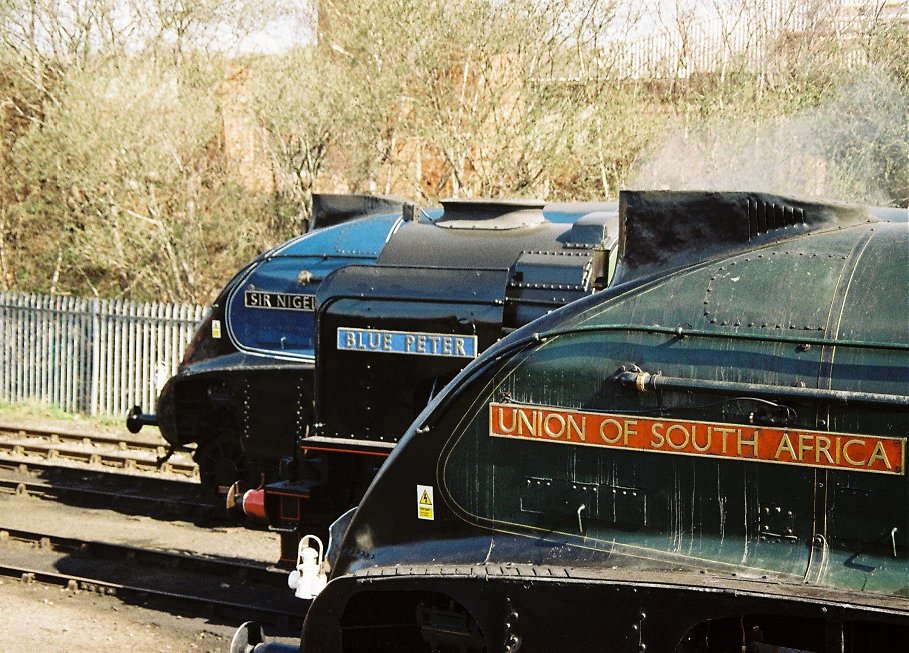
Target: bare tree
column 299, row 99
column 123, row 123
column 472, row 98
column 806, row 102
column 118, row 182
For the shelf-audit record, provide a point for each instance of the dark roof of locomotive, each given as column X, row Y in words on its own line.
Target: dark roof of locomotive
column 659, row 230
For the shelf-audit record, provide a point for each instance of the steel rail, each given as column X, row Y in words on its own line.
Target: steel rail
column 58, row 436
column 96, row 497
column 98, row 450
column 142, row 587
column 45, row 468
column 168, row 601
column 164, row 559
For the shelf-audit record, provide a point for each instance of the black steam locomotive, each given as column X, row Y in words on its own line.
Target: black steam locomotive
column 419, row 292
column 707, row 456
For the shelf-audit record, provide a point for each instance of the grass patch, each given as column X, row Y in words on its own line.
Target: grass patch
column 32, row 409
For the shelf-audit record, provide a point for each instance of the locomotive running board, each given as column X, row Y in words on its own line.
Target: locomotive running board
column 346, row 445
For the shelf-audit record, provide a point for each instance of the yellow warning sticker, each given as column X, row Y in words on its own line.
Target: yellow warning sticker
column 424, row 502
column 216, row 328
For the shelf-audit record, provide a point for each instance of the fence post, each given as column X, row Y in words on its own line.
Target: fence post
column 95, row 309
column 5, row 363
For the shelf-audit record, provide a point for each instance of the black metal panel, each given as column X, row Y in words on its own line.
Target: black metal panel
column 663, row 230
column 372, row 393
column 540, row 609
column 430, row 245
column 490, row 214
column 542, row 281
column 482, row 285
column 595, row 227
column 582, row 502
column 329, row 209
column 557, row 270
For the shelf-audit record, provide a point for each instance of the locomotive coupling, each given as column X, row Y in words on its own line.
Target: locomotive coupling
column 250, row 503
column 136, row 419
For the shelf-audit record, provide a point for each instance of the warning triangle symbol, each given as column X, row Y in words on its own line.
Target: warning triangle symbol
column 425, row 500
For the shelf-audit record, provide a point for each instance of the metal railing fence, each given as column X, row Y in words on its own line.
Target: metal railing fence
column 92, row 356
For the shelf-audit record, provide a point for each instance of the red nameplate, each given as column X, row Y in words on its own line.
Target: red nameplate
column 866, row 453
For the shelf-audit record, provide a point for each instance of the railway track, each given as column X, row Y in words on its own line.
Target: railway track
column 180, row 583
column 97, row 489
column 113, row 472
column 131, row 455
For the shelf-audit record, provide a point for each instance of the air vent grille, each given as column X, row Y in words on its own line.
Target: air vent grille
column 767, row 216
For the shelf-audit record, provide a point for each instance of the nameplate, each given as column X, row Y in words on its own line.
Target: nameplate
column 415, row 343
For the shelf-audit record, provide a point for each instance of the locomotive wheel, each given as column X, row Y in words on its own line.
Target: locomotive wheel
column 222, row 462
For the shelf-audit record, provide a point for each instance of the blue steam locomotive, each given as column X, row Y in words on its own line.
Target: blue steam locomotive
column 245, row 390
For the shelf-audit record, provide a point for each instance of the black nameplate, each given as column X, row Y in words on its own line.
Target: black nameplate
column 279, row 300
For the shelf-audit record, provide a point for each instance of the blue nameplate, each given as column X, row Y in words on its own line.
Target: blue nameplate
column 407, row 342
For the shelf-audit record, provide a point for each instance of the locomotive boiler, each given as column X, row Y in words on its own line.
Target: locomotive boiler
column 707, row 456
column 455, row 279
